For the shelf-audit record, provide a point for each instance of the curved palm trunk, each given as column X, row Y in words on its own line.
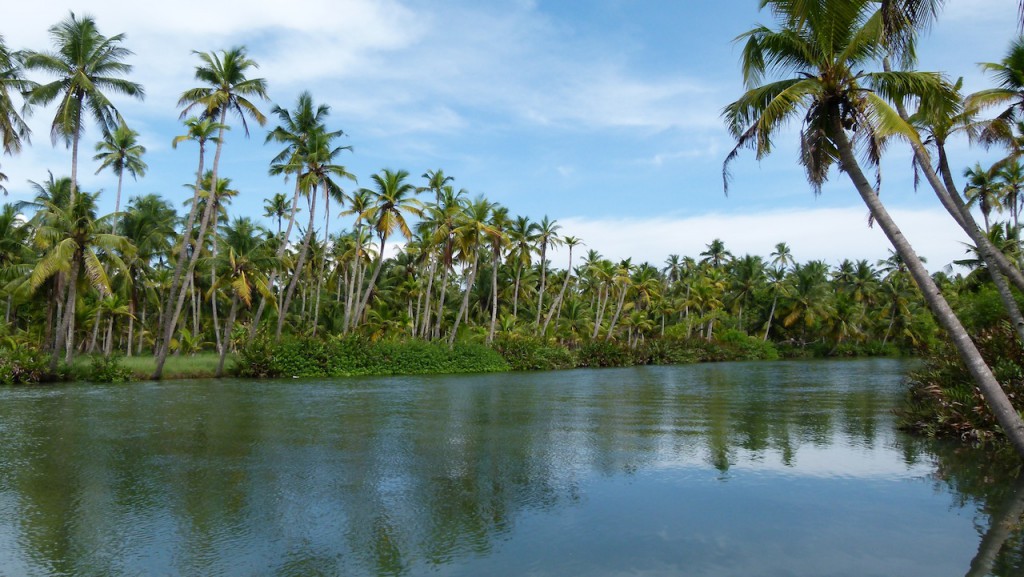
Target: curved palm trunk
column 465, row 300
column 618, row 312
column 425, row 322
column 771, row 317
column 172, row 319
column 297, row 273
column 515, row 292
column 557, row 305
column 948, row 196
column 1002, row 409
column 373, row 282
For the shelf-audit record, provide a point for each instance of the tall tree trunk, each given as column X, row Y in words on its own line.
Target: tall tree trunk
column 515, row 292
column 66, row 324
column 97, row 321
column 172, row 319
column 227, row 335
column 464, row 307
column 440, row 304
column 297, row 273
column 618, row 311
column 543, row 282
column 496, row 261
column 373, row 282
column 561, row 294
column 131, row 320
column 425, row 325
column 1002, row 409
column 771, row 317
column 323, row 260
column 213, row 281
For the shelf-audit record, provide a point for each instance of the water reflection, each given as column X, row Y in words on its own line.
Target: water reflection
column 732, row 469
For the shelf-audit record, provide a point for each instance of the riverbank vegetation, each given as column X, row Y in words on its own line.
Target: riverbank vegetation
column 417, row 274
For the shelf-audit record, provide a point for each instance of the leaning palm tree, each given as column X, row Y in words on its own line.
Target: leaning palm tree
column 818, row 52
column 393, row 198
column 547, row 237
column 227, row 89
column 120, row 151
column 87, row 65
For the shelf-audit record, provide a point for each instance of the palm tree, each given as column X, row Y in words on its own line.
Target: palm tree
column 782, row 256
column 984, row 189
column 69, row 236
column 13, row 130
column 393, row 199
column 120, row 151
column 716, row 254
column 819, row 45
column 471, row 233
column 499, row 240
column 148, row 225
column 86, row 64
column 546, row 236
column 276, row 207
column 436, row 181
column 571, row 242
column 242, row 269
column 522, row 235
column 1011, row 174
column 228, row 90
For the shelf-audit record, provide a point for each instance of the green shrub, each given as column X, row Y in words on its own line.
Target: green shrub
column 942, row 400
column 23, row 365
column 601, row 353
column 355, row 355
column 108, row 370
column 524, row 353
column 745, row 347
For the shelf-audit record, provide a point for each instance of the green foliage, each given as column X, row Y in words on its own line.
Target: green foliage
column 22, row 365
column 525, row 353
column 603, row 353
column 355, row 355
column 741, row 346
column 108, row 370
column 943, row 401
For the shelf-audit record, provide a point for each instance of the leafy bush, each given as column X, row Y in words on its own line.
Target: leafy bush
column 745, row 347
column 524, row 353
column 943, row 401
column 108, row 370
column 22, row 365
column 602, row 353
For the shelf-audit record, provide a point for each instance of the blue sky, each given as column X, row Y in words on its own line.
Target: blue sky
column 605, row 119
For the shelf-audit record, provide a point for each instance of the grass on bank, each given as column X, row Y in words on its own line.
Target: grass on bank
column 197, row 366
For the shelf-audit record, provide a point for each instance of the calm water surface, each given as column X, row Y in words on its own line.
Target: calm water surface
column 790, row 468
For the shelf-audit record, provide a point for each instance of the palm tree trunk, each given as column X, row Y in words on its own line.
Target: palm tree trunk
column 561, row 294
column 373, row 282
column 95, row 330
column 543, row 283
column 464, row 308
column 515, row 293
column 117, row 203
column 440, row 304
column 323, row 261
column 64, row 334
column 131, row 321
column 771, row 317
column 172, row 320
column 299, row 264
column 496, row 262
column 227, row 335
column 618, row 311
column 1002, row 409
column 425, row 322
column 213, row 284
column 108, row 342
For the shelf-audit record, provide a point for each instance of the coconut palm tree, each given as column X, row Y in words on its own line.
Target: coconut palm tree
column 499, row 240
column 87, row 66
column 571, row 242
column 68, row 235
column 547, row 230
column 148, row 225
column 522, row 234
column 242, row 271
column 227, row 89
column 13, row 130
column 393, row 198
column 472, row 232
column 818, row 52
column 985, row 190
column 120, row 151
column 276, row 207
column 716, row 254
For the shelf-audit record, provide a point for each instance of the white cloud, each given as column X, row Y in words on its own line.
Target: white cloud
column 829, row 234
